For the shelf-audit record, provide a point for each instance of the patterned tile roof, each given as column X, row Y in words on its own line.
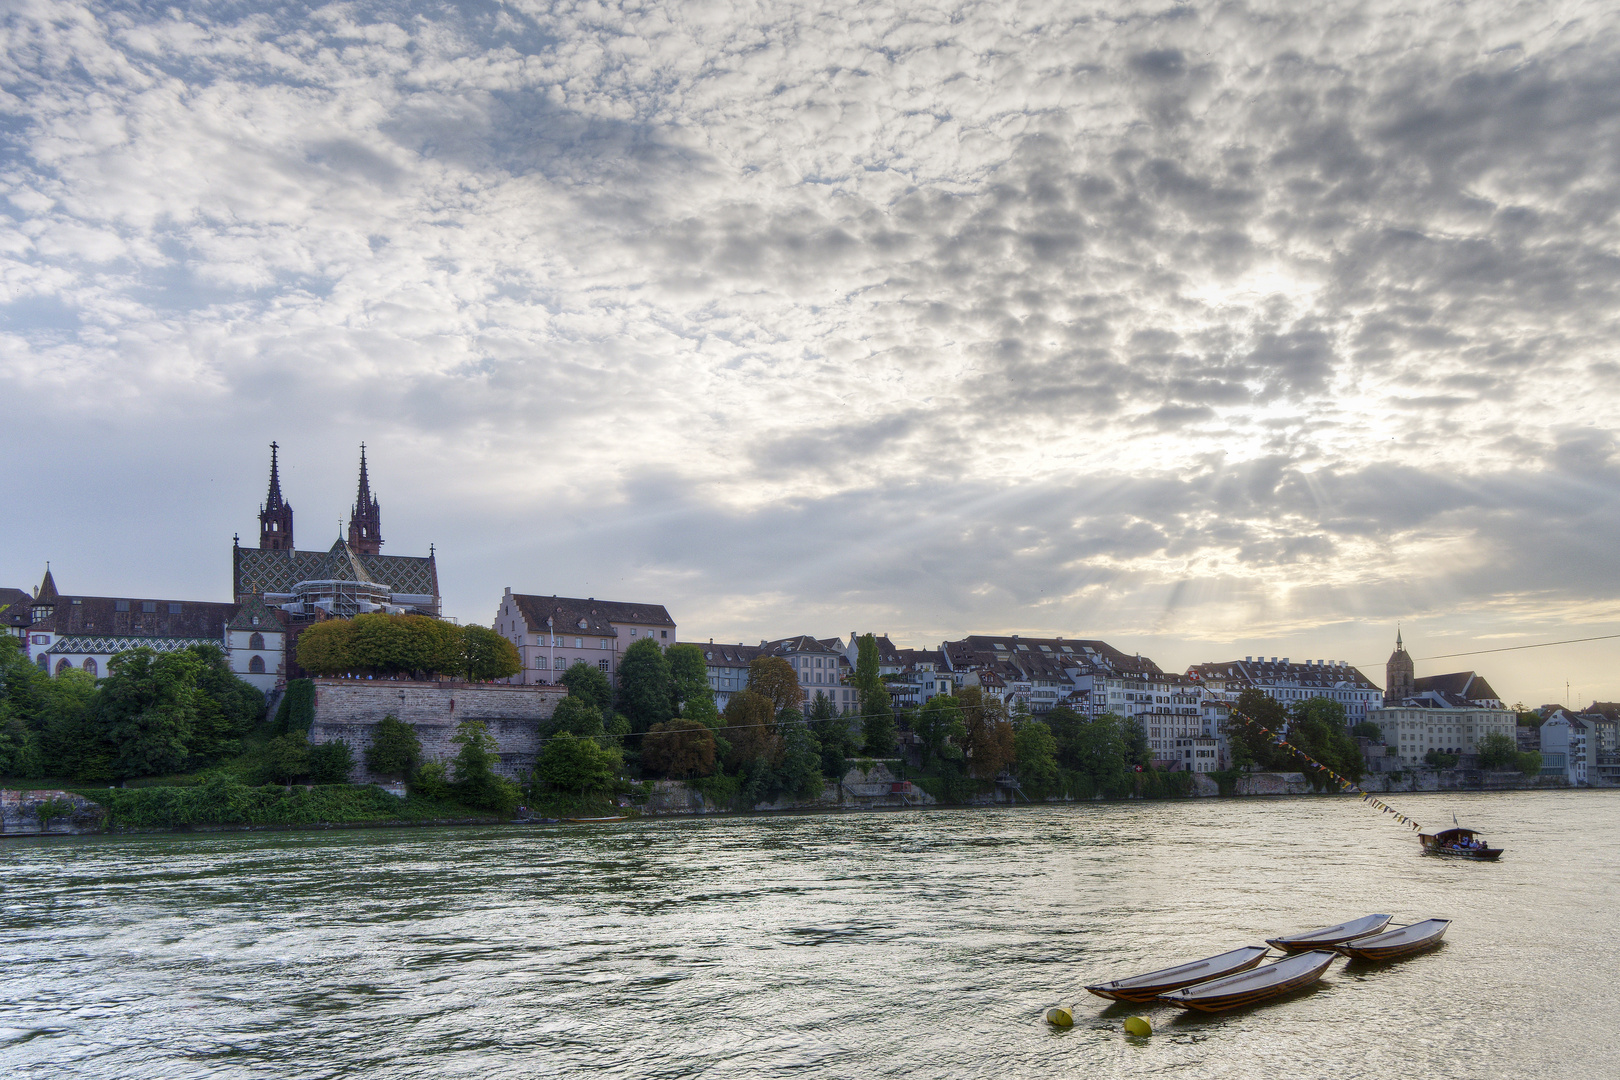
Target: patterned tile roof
column 87, row 645
column 255, row 614
column 254, row 570
column 114, row 616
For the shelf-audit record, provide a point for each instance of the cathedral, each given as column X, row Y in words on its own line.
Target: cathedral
column 350, row 578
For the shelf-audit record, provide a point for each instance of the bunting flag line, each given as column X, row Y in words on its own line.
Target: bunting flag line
column 1344, row 784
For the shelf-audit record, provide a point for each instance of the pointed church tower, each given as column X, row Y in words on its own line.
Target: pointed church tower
column 365, row 520
column 1400, row 673
column 275, row 516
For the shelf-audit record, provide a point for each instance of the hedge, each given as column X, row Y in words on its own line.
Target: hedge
column 223, row 800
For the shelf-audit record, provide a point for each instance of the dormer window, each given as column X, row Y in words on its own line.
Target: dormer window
column 149, row 607
column 120, row 605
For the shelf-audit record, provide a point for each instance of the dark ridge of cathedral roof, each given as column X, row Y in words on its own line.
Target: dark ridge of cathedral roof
column 256, row 570
column 1462, row 684
column 99, row 616
column 594, row 612
column 342, row 563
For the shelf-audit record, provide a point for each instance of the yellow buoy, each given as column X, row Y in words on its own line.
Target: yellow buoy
column 1060, row 1017
column 1138, row 1025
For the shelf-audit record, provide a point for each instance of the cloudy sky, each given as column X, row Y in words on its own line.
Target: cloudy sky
column 1211, row 329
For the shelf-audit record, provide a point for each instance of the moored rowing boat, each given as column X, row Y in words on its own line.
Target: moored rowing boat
column 1329, row 936
column 1149, row 986
column 1403, row 941
column 1252, row 987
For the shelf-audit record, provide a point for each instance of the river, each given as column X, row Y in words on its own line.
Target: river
column 915, row 944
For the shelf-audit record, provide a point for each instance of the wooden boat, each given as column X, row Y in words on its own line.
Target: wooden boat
column 1252, row 987
column 1459, row 844
column 595, row 820
column 1403, row 941
column 1329, row 936
column 1149, row 986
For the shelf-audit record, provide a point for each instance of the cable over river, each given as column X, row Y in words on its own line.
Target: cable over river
column 918, row 944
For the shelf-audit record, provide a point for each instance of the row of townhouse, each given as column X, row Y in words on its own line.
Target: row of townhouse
column 1580, row 747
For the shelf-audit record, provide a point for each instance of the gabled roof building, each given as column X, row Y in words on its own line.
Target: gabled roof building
column 552, row 633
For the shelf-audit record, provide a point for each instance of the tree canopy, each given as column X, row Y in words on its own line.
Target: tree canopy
column 646, row 685
column 395, row 750
column 589, row 682
column 774, row 678
column 379, row 644
column 578, row 765
column 749, row 725
column 679, row 749
column 487, row 655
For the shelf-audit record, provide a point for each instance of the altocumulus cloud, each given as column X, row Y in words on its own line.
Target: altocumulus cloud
column 1113, row 319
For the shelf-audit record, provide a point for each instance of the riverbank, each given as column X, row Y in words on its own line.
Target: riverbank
column 236, row 808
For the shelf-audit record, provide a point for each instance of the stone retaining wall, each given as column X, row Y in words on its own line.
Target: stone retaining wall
column 350, row 709
column 19, row 814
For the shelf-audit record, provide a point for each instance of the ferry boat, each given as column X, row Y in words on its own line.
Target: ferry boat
column 1459, row 843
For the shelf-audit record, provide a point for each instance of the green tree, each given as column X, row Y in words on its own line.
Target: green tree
column 800, row 771
column 395, row 750
column 1366, row 729
column 487, row 655
column 1138, row 751
column 870, row 690
column 1439, row 759
column 694, row 698
column 679, row 748
column 576, row 716
column 1036, row 751
column 431, row 781
column 327, row 648
column 1498, row 751
column 1317, row 727
column 774, row 678
column 330, row 763
column 941, row 729
column 570, row 764
column 989, row 742
column 833, row 735
column 1529, row 762
column 646, row 685
column 147, row 710
column 590, row 683
column 285, row 758
column 1099, row 754
column 750, row 728
column 473, row 777
column 879, row 731
column 1249, row 746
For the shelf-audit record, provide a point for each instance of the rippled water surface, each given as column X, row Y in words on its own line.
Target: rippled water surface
column 908, row 944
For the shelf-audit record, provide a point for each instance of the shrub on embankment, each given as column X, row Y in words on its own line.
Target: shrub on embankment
column 224, row 801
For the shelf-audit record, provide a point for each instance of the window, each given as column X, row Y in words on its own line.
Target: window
column 120, row 605
column 540, row 662
column 63, row 665
column 601, row 643
column 256, row 641
column 44, row 663
column 174, row 609
column 90, row 665
column 256, row 666
column 663, row 633
column 579, row 643
column 603, row 664
column 149, row 607
column 632, row 631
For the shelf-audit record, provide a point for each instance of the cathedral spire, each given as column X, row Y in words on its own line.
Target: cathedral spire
column 273, row 500
column 276, row 515
column 365, row 520
column 1400, row 673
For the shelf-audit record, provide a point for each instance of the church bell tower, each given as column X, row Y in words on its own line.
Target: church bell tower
column 1400, row 673
column 365, row 520
column 276, row 515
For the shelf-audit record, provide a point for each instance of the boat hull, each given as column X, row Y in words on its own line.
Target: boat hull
column 1395, row 944
column 1330, row 936
column 1148, row 987
column 1209, row 998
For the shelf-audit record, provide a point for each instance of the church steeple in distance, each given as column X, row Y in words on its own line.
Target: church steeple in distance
column 365, row 520
column 276, row 515
column 1400, row 673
